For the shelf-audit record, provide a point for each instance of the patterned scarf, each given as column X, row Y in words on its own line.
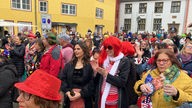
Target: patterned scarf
column 171, row 74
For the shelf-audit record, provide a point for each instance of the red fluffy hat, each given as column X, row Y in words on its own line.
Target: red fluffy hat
column 31, row 35
column 41, row 84
column 127, row 48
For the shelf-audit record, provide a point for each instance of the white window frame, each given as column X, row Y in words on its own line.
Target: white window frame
column 10, row 29
column 21, row 5
column 142, row 24
column 20, row 28
column 157, row 22
column 142, row 8
column 175, row 6
column 159, row 7
column 44, row 7
column 99, row 13
column 128, row 8
column 127, row 24
column 71, row 9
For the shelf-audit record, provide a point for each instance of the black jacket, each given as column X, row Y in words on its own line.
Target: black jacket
column 17, row 57
column 176, row 40
column 96, row 41
column 8, row 76
column 124, row 81
column 86, row 85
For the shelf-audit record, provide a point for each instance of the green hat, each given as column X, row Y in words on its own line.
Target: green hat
column 51, row 37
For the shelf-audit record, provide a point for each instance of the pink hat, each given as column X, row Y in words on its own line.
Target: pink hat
column 41, row 84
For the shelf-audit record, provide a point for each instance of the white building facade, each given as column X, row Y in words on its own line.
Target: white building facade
column 154, row 15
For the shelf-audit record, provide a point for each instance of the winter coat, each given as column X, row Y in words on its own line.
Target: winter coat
column 8, row 76
column 176, row 40
column 186, row 65
column 124, row 82
column 17, row 56
column 51, row 61
column 85, row 84
column 182, row 84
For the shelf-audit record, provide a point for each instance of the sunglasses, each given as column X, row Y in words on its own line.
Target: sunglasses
column 108, row 47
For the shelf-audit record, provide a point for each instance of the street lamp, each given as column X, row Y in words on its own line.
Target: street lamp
column 138, row 20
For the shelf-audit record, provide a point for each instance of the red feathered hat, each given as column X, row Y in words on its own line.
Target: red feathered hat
column 41, row 84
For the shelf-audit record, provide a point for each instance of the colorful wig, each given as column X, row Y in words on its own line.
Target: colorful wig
column 110, row 41
column 127, row 48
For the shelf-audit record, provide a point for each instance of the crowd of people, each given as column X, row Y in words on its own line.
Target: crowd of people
column 123, row 70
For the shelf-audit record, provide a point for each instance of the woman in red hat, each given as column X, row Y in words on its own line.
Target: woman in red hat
column 40, row 90
column 77, row 79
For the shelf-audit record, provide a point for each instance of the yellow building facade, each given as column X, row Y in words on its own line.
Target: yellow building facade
column 64, row 15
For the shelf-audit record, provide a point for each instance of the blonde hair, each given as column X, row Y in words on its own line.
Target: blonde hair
column 168, row 41
column 183, row 49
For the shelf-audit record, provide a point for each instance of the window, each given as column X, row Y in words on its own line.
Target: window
column 99, row 13
column 159, row 7
column 43, row 6
column 142, row 7
column 22, row 28
column 128, row 8
column 142, row 25
column 127, row 24
column 69, row 9
column 10, row 29
column 157, row 24
column 21, row 4
column 175, row 6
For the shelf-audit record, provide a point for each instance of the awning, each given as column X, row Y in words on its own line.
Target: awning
column 63, row 24
column 7, row 24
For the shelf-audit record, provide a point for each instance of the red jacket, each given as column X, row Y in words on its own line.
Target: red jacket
column 51, row 61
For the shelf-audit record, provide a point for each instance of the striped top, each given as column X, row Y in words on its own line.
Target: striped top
column 112, row 97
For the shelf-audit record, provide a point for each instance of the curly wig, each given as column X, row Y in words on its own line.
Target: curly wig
column 127, row 48
column 110, row 41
